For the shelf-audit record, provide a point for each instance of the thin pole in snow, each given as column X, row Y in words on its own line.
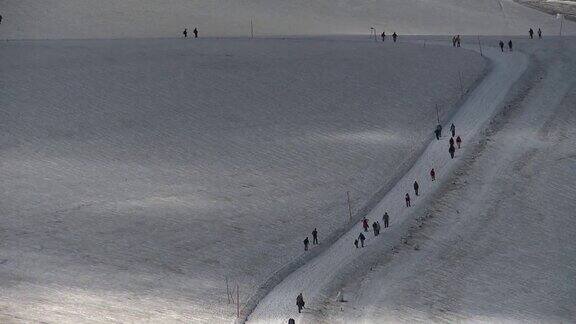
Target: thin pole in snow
column 227, row 291
column 437, row 114
column 561, row 21
column 461, row 87
column 349, row 205
column 251, row 29
column 237, row 301
column 480, row 45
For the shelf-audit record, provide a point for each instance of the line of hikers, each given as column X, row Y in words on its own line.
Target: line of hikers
column 531, row 33
column 502, row 46
column 376, row 227
column 195, row 32
column 314, row 239
column 394, row 36
column 456, row 41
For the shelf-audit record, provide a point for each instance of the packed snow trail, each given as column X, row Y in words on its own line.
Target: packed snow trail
column 500, row 245
column 319, row 276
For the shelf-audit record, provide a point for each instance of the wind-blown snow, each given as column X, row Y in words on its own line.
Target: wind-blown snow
column 138, row 174
column 152, row 18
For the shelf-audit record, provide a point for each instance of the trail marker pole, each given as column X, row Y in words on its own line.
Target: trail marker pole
column 237, row 301
column 349, row 205
column 480, row 45
column 251, row 29
column 461, row 87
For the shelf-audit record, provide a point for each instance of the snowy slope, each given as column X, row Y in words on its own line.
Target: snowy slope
column 342, row 262
column 25, row 19
column 500, row 247
column 138, row 174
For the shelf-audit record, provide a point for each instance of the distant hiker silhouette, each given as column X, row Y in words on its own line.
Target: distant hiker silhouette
column 185, row 32
column 502, row 46
column 407, row 198
column 195, row 31
column 510, row 45
column 433, row 174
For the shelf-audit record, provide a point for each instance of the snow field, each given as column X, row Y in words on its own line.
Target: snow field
column 139, row 174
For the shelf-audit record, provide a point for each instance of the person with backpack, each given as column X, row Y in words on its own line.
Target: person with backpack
column 365, row 224
column 502, row 46
column 394, row 37
column 375, row 228
column 362, row 238
column 458, row 141
column 300, row 302
column 451, row 141
column 510, row 45
column 416, row 187
column 433, row 174
column 315, row 237
column 451, row 150
column 407, row 198
column 386, row 219
column 306, row 242
column 453, row 129
column 195, row 31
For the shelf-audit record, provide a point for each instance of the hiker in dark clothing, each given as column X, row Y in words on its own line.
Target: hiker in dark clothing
column 300, row 302
column 0, row 19
column 375, row 228
column 453, row 130
column 437, row 133
column 510, row 45
column 458, row 41
column 452, row 150
column 439, row 129
column 315, row 236
column 454, row 41
column 539, row 33
column 433, row 174
column 383, row 36
column 378, row 227
column 185, row 32
column 386, row 219
column 407, row 198
column 416, row 186
column 306, row 242
column 195, row 31
column 394, row 37
column 451, row 141
column 502, row 46
column 291, row 321
column 531, row 32
column 365, row 224
column 356, row 243
column 458, row 141
column 361, row 237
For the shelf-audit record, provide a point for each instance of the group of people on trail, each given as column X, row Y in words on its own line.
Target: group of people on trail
column 456, row 41
column 376, row 227
column 452, row 149
column 509, row 46
column 314, row 239
column 531, row 33
column 394, row 36
column 195, row 32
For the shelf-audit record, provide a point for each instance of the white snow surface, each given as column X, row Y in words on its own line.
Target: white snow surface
column 56, row 19
column 319, row 278
column 138, row 174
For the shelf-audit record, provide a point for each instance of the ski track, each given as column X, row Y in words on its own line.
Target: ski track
column 317, row 278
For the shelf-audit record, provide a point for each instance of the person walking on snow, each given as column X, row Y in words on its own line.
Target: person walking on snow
column 386, row 219
column 453, row 129
column 365, row 224
column 458, row 41
column 451, row 141
column 407, row 198
column 416, row 186
column 356, row 243
column 452, row 150
column 394, row 37
column 539, row 33
column 510, row 45
column 454, row 41
column 502, row 46
column 531, row 32
column 375, row 228
column 306, row 242
column 361, row 237
column 315, row 236
column 195, row 31
column 300, row 302
column 458, row 141
column 433, row 174
column 185, row 32
column 383, row 36
column 437, row 133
